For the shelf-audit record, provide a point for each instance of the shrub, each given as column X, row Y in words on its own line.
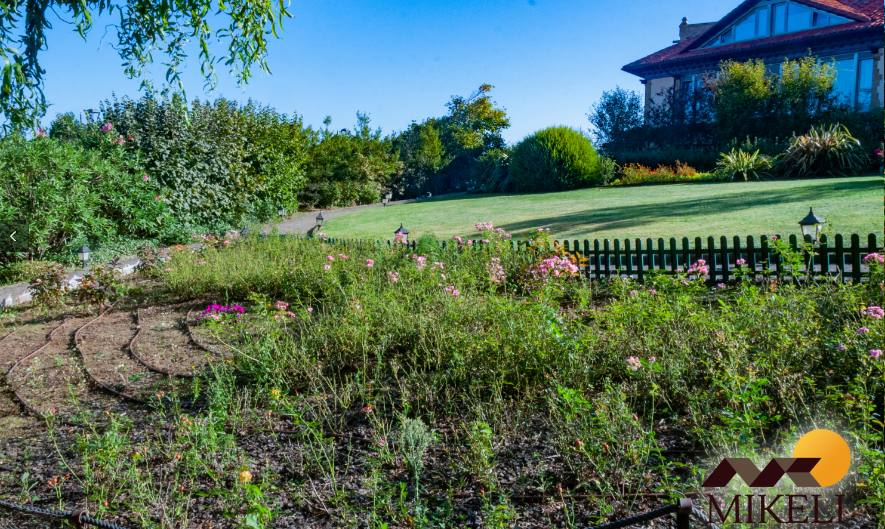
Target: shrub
column 825, row 150
column 553, row 159
column 220, row 164
column 745, row 164
column 69, row 196
column 48, row 287
column 608, row 169
column 637, row 174
column 350, row 167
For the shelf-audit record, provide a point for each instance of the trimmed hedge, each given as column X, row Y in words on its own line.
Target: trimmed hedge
column 554, row 159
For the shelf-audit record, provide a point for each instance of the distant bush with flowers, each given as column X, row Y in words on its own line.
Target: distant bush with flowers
column 219, row 163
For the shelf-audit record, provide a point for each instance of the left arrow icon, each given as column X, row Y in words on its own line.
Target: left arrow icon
column 12, row 236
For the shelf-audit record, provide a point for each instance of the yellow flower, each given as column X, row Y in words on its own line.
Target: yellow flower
column 275, row 393
column 245, row 476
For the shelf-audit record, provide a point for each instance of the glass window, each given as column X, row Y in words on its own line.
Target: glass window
column 746, row 28
column 865, row 84
column 762, row 24
column 798, row 17
column 778, row 18
column 846, row 80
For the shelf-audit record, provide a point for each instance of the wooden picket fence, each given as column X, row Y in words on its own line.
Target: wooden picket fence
column 637, row 258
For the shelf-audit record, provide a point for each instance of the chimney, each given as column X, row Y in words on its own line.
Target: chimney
column 682, row 29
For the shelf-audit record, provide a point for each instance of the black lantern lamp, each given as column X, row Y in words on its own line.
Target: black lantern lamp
column 281, row 212
column 812, row 225
column 84, row 255
column 320, row 220
column 401, row 234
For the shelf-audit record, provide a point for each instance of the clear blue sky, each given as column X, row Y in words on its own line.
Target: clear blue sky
column 401, row 60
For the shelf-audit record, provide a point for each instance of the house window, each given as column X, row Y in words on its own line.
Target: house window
column 853, row 86
column 776, row 18
column 779, row 18
column 798, row 17
column 865, row 84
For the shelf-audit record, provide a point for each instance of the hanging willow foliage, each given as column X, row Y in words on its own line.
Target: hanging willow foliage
column 146, row 28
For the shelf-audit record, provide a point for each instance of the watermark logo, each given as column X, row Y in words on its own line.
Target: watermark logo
column 821, row 458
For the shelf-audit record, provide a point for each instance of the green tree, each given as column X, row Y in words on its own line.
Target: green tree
column 350, row 167
column 618, row 112
column 471, row 129
column 146, row 28
column 744, row 94
column 751, row 101
column 422, row 154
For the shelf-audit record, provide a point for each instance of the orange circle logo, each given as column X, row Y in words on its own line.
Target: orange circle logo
column 833, row 451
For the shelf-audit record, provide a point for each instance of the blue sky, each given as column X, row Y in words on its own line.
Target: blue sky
column 401, row 60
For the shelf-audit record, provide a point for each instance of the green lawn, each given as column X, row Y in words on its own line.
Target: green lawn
column 850, row 205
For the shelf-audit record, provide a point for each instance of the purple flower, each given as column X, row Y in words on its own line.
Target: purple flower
column 874, row 258
column 875, row 353
column 841, row 348
column 862, row 330
column 107, row 127
column 874, row 312
column 393, row 276
column 741, row 262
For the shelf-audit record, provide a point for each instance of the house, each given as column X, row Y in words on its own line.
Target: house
column 847, row 32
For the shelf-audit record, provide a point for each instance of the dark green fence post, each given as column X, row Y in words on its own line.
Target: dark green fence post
column 650, row 254
column 823, row 256
column 639, row 271
column 751, row 257
column 628, row 258
column 840, row 256
column 618, row 257
column 723, row 257
column 576, row 248
column 686, row 253
column 587, row 254
column 674, row 262
column 711, row 253
column 855, row 257
column 764, row 256
column 597, row 264
column 605, row 255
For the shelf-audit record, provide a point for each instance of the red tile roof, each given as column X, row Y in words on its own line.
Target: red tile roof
column 868, row 16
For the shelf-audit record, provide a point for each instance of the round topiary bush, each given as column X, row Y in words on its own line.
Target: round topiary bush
column 554, row 159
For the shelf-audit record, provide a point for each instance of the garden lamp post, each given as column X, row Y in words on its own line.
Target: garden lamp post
column 812, row 225
column 320, row 220
column 401, row 235
column 281, row 212
column 84, row 256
